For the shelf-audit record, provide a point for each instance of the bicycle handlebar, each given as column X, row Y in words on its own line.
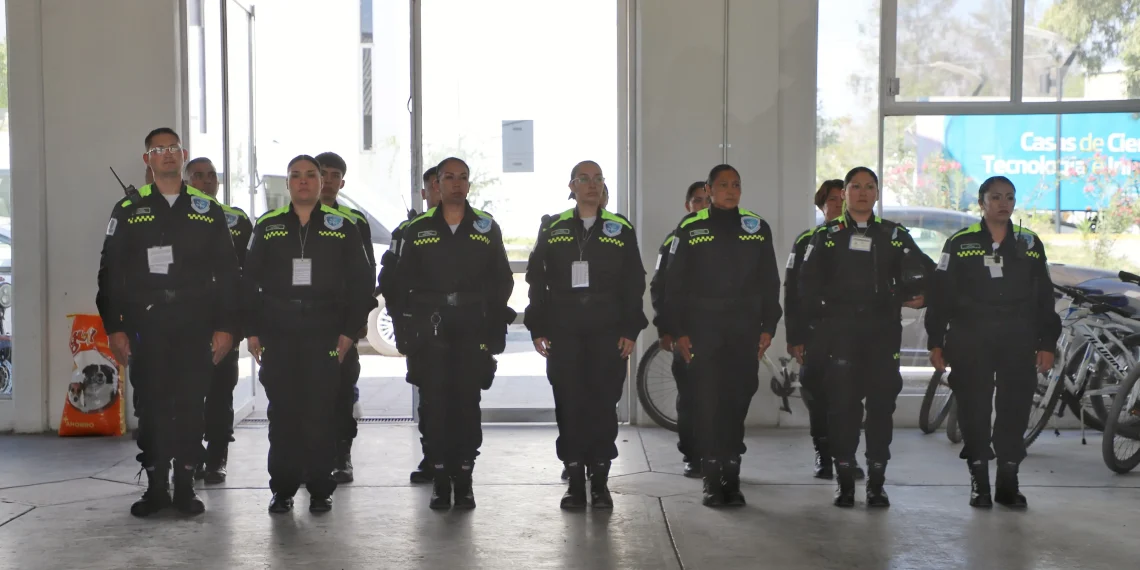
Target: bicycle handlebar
column 1098, row 303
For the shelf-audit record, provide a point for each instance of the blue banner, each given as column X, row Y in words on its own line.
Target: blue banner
column 1099, row 153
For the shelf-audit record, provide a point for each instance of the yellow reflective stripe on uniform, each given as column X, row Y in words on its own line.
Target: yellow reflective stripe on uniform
column 429, row 213
column 972, row 228
column 479, row 212
column 668, row 241
column 702, row 215
column 616, row 218
column 274, row 213
column 196, row 192
column 480, row 237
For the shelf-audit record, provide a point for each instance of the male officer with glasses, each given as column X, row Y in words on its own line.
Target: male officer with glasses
column 168, row 281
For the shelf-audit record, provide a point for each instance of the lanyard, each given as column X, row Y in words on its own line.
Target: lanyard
column 583, row 243
column 304, row 238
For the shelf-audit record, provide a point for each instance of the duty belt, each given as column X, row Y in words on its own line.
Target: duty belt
column 170, row 296
column 454, row 299
column 583, row 298
column 726, row 303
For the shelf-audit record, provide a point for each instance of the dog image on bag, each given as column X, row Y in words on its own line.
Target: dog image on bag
column 97, row 389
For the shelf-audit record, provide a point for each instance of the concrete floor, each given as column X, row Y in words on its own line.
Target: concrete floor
column 64, row 504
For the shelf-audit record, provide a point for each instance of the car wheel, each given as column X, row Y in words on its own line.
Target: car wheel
column 381, row 334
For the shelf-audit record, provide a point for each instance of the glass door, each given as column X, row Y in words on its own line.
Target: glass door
column 237, row 176
column 522, row 91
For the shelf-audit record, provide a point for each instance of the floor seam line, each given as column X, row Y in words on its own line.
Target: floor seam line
column 30, row 509
column 644, row 451
column 669, row 533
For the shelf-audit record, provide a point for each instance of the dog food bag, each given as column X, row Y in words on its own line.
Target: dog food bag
column 94, row 404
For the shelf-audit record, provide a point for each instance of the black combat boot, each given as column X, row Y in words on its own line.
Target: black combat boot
column 185, row 499
column 980, row 484
column 157, row 495
column 342, row 473
column 845, row 484
column 823, row 467
column 714, row 490
column 320, row 504
column 464, row 494
column 575, row 497
column 730, row 483
column 692, row 469
column 441, row 491
column 876, row 478
column 599, row 485
column 1007, row 492
column 423, row 472
column 217, row 456
column 280, row 504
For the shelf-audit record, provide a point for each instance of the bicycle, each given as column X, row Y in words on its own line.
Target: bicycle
column 657, row 389
column 1122, row 427
column 939, row 399
column 1099, row 344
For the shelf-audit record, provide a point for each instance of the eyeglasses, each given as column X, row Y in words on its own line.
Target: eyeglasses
column 172, row 149
column 586, row 179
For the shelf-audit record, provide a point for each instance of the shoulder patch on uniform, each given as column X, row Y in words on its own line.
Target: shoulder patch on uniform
column 112, row 225
column 751, row 224
column 200, row 204
column 231, row 219
column 944, row 261
column 333, row 221
column 482, row 224
column 673, row 248
column 1028, row 239
column 611, row 228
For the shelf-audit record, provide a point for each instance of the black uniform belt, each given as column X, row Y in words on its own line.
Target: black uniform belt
column 982, row 312
column 301, row 304
column 725, row 303
column 583, row 298
column 168, row 296
column 455, row 299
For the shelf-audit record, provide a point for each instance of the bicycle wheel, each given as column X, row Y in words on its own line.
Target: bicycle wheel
column 1102, row 376
column 1046, row 399
column 656, row 387
column 1120, row 446
column 935, row 404
column 953, row 431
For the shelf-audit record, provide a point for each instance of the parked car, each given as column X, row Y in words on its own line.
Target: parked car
column 930, row 228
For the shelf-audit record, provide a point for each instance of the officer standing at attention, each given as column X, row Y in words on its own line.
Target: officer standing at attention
column 722, row 296
column 696, row 199
column 829, row 200
column 386, row 283
column 993, row 292
column 219, row 408
column 852, row 283
column 333, row 169
column 586, row 287
column 450, row 296
column 168, row 282
column 306, row 291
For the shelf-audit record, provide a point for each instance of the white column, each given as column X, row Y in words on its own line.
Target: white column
column 88, row 81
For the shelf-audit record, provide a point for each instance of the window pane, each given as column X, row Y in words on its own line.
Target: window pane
column 1078, row 50
column 5, row 218
column 847, row 127
column 953, row 50
column 939, row 162
column 523, row 72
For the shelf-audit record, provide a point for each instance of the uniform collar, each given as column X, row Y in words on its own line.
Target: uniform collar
column 468, row 212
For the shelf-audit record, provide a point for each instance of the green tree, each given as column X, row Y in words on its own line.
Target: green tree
column 3, row 75
column 1100, row 31
column 483, row 184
